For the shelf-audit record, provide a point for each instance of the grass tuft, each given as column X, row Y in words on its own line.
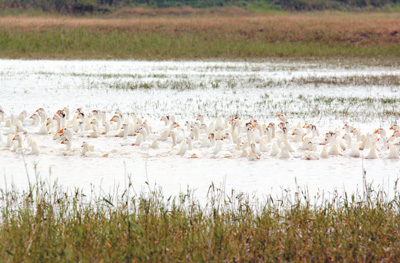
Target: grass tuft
column 48, row 223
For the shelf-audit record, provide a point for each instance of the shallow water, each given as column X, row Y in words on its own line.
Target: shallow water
column 153, row 89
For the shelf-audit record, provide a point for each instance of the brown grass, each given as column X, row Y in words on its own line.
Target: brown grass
column 313, row 35
column 129, row 12
column 368, row 29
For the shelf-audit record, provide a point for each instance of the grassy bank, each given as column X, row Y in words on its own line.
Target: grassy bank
column 48, row 224
column 327, row 35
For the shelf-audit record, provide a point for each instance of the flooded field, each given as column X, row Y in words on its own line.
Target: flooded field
column 328, row 96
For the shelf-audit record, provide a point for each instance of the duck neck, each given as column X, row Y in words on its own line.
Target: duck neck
column 315, row 133
column 268, row 133
column 260, row 130
column 43, row 116
column 85, row 149
column 284, row 136
column 36, row 121
column 146, row 126
column 119, row 124
column 250, row 136
column 139, row 139
column 196, row 133
column 69, row 146
column 19, row 143
column 173, row 136
column 253, row 149
column 273, row 131
column 62, row 123
column 144, row 133
column 190, row 145
column 126, row 133
column 67, row 113
column 348, row 141
column 212, row 140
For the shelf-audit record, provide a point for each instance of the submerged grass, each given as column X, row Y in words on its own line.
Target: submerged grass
column 356, row 80
column 47, row 224
column 373, row 36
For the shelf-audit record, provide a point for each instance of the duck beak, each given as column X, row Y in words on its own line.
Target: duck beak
column 254, row 125
column 13, row 139
column 31, row 117
column 160, row 119
column 278, row 115
column 376, row 131
column 112, row 119
column 343, row 137
column 293, row 134
column 133, row 144
column 62, row 142
column 60, row 131
column 391, row 128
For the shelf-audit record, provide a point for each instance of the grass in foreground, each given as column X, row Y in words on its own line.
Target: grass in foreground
column 326, row 35
column 47, row 224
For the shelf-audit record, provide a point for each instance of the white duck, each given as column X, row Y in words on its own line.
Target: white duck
column 183, row 147
column 310, row 155
column 87, row 151
column 284, row 154
column 253, row 155
column 393, row 152
column 373, row 154
column 274, row 150
column 324, row 153
column 190, row 153
column 355, row 152
column 69, row 151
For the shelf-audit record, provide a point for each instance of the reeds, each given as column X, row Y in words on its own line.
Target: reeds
column 48, row 224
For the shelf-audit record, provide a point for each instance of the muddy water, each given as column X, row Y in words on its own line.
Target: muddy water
column 185, row 89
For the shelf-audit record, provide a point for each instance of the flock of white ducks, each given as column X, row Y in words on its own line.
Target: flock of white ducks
column 229, row 137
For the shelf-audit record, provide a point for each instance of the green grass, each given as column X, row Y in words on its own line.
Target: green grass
column 90, row 44
column 49, row 224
